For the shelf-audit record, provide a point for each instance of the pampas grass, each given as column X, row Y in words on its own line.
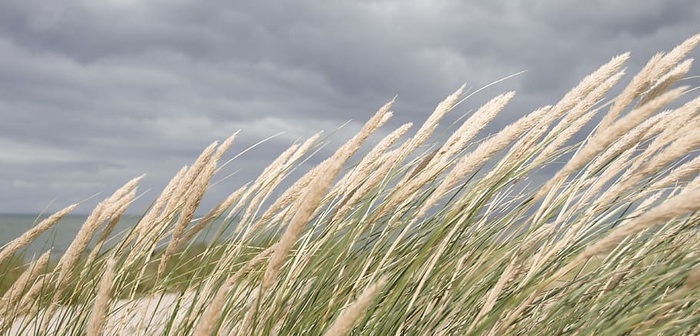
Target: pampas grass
column 99, row 309
column 344, row 321
column 464, row 236
column 34, row 232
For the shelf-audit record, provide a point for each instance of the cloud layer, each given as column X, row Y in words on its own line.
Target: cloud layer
column 95, row 93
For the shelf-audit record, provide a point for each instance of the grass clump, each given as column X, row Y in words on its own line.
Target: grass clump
column 458, row 237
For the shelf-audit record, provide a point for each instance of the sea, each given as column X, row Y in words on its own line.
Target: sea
column 58, row 237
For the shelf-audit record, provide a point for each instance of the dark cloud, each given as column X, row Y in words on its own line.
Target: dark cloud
column 94, row 93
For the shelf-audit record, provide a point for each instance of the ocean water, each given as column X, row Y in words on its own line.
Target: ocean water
column 58, row 236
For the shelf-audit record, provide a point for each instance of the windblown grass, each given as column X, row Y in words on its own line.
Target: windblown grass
column 457, row 238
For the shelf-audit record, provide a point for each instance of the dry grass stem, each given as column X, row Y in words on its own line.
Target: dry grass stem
column 587, row 85
column 480, row 155
column 345, row 321
column 687, row 201
column 14, row 293
column 209, row 318
column 605, row 138
column 185, row 217
column 577, row 117
column 430, row 124
column 370, row 161
column 100, row 308
column 471, row 127
column 656, row 66
column 102, row 212
column 667, row 80
column 10, row 248
column 314, row 194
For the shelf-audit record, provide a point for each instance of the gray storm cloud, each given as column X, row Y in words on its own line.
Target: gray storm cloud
column 95, row 93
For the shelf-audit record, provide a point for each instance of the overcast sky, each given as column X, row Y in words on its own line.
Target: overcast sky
column 93, row 93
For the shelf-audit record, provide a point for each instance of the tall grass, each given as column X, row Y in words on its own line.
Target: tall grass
column 459, row 237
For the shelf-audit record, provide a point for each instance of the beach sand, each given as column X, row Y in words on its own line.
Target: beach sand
column 144, row 316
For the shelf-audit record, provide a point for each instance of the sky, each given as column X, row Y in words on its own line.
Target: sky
column 94, row 93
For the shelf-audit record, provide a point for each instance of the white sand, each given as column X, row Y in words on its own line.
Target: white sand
column 125, row 318
column 145, row 316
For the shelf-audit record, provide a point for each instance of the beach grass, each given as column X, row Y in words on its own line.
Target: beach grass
column 406, row 236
